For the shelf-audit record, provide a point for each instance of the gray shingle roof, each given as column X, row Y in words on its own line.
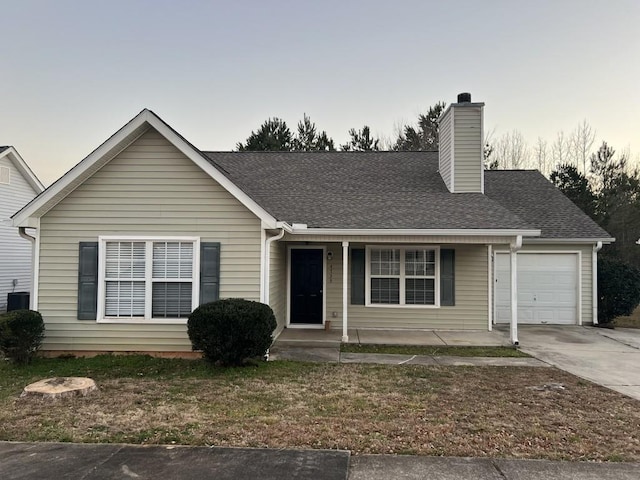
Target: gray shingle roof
column 532, row 197
column 392, row 190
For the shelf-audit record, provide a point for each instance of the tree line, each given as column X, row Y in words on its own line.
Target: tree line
column 275, row 135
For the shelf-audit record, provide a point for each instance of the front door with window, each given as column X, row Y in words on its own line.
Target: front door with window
column 306, row 286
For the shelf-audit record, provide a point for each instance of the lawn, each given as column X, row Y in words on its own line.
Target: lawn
column 410, row 409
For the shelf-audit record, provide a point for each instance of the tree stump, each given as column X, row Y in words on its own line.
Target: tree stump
column 60, row 387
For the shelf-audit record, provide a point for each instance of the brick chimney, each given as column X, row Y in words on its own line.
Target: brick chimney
column 461, row 162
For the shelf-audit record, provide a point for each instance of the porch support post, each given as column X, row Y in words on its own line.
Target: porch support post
column 594, row 282
column 513, row 255
column 345, row 282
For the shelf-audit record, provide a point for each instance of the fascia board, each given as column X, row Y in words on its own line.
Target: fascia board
column 606, row 240
column 433, row 232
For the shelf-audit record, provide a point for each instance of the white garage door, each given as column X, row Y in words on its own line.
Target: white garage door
column 547, row 288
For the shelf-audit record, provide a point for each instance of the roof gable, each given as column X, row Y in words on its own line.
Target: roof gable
column 124, row 137
column 12, row 154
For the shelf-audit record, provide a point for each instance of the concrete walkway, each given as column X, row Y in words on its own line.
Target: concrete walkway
column 334, row 355
column 324, row 346
column 607, row 357
column 43, row 461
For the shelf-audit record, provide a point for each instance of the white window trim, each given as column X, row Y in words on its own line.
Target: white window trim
column 402, row 276
column 195, row 292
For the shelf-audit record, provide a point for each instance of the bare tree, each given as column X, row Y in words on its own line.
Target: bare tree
column 581, row 144
column 541, row 156
column 561, row 150
column 511, row 151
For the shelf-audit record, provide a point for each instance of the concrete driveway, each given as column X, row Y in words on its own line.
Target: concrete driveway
column 608, row 357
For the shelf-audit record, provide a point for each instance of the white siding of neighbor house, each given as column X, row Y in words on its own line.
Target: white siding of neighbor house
column 468, row 162
column 469, row 313
column 15, row 251
column 150, row 188
column 278, row 283
column 586, row 271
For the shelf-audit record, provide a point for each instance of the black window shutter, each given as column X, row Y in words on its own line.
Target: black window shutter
column 209, row 272
column 88, row 281
column 357, row 276
column 447, row 277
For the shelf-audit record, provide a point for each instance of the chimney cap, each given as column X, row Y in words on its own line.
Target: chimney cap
column 464, row 97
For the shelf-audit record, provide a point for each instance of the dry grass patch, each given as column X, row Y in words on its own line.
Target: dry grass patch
column 630, row 321
column 460, row 411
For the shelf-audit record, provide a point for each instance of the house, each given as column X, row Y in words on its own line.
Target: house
column 18, row 185
column 147, row 227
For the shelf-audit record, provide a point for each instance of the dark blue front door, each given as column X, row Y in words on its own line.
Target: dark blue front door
column 306, row 286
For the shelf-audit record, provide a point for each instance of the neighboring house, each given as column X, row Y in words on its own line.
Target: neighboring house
column 148, row 227
column 18, row 185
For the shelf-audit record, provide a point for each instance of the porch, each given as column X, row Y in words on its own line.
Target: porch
column 332, row 338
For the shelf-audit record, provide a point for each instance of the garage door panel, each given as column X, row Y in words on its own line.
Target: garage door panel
column 547, row 288
column 545, row 316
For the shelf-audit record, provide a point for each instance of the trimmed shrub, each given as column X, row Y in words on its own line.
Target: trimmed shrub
column 618, row 289
column 231, row 331
column 21, row 334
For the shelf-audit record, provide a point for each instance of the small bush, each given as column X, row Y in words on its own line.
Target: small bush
column 231, row 331
column 21, row 334
column 618, row 289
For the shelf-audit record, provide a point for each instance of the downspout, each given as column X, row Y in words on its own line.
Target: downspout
column 22, row 231
column 267, row 263
column 594, row 281
column 513, row 254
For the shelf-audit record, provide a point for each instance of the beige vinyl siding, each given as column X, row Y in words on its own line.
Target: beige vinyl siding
column 586, row 271
column 150, row 188
column 15, row 251
column 278, row 283
column 468, row 149
column 445, row 152
column 470, row 311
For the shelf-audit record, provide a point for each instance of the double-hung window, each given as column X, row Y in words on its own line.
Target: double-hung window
column 402, row 275
column 148, row 279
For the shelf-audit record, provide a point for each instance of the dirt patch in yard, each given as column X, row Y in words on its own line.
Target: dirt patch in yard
column 459, row 411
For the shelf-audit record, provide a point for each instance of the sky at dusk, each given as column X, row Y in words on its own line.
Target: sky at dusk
column 76, row 71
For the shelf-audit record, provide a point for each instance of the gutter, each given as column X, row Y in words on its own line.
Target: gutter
column 302, row 229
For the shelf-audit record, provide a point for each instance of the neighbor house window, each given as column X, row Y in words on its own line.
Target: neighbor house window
column 149, row 279
column 402, row 275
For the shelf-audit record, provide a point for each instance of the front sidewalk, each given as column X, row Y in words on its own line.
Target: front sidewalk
column 40, row 461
